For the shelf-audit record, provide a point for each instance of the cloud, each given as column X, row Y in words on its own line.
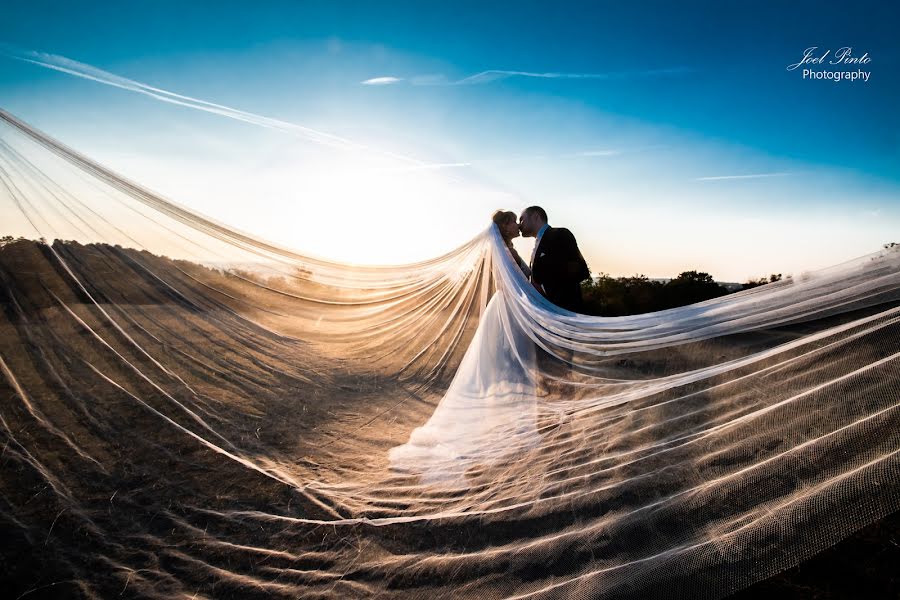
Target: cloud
column 85, row 71
column 496, row 74
column 526, row 158
column 81, row 70
column 433, row 166
column 382, row 80
column 492, row 75
column 588, row 153
column 750, row 176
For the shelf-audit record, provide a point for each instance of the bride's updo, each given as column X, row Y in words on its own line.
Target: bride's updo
column 501, row 218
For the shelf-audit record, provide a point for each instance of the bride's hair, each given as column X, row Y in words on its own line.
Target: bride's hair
column 502, row 217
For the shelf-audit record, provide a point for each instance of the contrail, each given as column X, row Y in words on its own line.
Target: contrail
column 75, row 68
column 529, row 157
column 497, row 74
column 753, row 176
column 78, row 69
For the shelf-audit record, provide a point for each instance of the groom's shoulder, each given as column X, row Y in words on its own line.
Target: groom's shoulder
column 560, row 233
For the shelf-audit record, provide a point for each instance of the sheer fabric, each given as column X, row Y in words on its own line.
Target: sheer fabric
column 188, row 409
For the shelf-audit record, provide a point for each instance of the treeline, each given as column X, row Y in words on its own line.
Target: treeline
column 618, row 296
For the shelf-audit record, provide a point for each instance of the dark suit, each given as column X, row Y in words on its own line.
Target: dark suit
column 558, row 268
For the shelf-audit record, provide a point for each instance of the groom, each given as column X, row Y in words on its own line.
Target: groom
column 557, row 267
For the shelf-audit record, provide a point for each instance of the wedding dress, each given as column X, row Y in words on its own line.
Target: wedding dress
column 490, row 409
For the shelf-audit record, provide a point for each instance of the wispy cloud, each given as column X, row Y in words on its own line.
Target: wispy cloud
column 530, row 157
column 81, row 70
column 496, row 74
column 381, row 81
column 85, row 71
column 492, row 75
column 433, row 166
column 749, row 176
column 591, row 153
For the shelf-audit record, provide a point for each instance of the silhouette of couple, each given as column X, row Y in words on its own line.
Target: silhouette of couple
column 557, row 267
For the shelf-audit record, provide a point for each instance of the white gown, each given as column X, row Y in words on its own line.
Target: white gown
column 490, row 409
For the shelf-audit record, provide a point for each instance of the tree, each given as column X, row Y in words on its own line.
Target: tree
column 690, row 287
column 8, row 239
column 752, row 283
column 614, row 297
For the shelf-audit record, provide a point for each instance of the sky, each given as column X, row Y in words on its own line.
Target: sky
column 666, row 136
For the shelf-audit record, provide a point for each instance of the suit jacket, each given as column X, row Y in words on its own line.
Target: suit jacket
column 559, row 268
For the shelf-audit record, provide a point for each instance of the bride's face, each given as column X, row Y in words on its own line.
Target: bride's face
column 510, row 229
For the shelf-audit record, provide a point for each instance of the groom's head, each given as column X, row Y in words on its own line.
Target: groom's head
column 531, row 220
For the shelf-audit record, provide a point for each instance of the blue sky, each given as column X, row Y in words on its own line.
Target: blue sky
column 667, row 138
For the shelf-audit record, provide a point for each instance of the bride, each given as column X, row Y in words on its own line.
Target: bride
column 505, row 221
column 490, row 407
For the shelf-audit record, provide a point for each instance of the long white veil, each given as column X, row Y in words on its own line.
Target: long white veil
column 189, row 409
